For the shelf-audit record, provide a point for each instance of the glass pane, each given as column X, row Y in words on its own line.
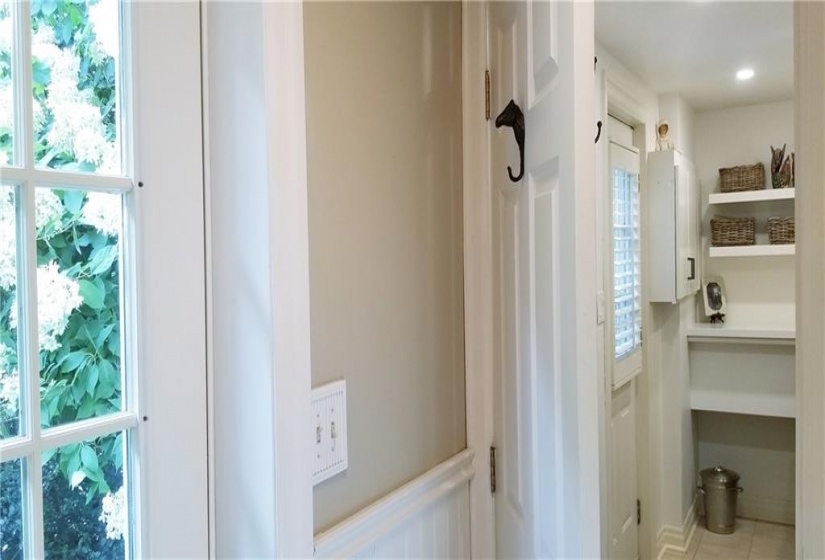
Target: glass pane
column 85, row 500
column 11, row 510
column 626, row 269
column 9, row 380
column 78, row 304
column 6, row 86
column 74, row 71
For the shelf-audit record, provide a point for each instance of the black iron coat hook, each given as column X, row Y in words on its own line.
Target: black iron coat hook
column 513, row 117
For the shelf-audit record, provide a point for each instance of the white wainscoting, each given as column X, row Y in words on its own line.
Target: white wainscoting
column 428, row 517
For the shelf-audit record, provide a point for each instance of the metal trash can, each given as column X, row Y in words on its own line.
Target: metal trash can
column 720, row 487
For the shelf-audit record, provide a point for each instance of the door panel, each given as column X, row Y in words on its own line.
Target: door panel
column 624, row 535
column 535, row 255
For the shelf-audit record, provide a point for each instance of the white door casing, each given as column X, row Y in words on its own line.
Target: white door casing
column 172, row 464
column 546, row 403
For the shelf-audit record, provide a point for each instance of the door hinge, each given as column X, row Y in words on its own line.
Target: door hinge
column 492, row 469
column 487, row 95
column 638, row 512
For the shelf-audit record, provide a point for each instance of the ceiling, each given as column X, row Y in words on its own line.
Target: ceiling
column 694, row 48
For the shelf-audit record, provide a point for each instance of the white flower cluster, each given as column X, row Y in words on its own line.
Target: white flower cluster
column 9, row 383
column 57, row 297
column 6, row 95
column 8, row 261
column 77, row 126
column 103, row 212
column 115, row 513
column 48, row 208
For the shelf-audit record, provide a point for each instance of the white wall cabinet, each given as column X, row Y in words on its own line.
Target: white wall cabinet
column 673, row 226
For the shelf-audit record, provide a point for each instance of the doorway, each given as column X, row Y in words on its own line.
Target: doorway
column 687, row 408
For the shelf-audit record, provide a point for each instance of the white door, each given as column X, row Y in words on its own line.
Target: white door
column 624, row 534
column 546, row 387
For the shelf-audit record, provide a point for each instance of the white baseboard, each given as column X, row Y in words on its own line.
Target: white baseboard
column 678, row 539
column 428, row 517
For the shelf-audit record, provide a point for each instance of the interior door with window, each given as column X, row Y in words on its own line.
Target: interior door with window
column 102, row 347
column 540, row 57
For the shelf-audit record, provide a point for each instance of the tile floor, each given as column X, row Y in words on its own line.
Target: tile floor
column 752, row 540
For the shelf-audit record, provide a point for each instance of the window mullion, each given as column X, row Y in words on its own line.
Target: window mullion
column 29, row 365
column 29, row 362
column 22, row 75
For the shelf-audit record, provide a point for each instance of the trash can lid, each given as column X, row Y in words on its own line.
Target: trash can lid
column 720, row 476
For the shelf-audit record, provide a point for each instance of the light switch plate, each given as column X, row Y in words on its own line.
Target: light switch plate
column 329, row 430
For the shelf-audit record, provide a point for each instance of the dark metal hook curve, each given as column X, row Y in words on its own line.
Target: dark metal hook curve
column 598, row 131
column 513, row 117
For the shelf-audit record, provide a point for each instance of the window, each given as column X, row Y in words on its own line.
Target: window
column 625, row 261
column 67, row 373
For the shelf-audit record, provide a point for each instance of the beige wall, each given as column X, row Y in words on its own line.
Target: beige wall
column 385, row 229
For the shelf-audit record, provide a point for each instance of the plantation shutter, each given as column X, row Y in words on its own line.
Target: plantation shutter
column 626, row 270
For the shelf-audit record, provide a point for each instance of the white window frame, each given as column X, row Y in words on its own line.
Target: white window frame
column 625, row 367
column 162, row 284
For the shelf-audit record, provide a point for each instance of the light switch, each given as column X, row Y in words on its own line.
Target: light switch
column 329, row 416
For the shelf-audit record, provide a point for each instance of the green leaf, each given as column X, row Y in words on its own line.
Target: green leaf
column 91, row 294
column 91, row 380
column 73, row 200
column 91, row 474
column 72, row 458
column 108, row 373
column 86, row 410
column 90, row 494
column 103, row 335
column 48, row 7
column 48, row 454
column 102, row 259
column 88, row 457
column 73, row 359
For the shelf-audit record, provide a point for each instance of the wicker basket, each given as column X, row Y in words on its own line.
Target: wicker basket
column 781, row 231
column 729, row 232
column 742, row 178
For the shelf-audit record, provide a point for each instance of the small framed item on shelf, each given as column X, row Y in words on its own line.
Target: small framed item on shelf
column 713, row 294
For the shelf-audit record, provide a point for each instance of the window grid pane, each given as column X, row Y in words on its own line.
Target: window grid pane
column 9, row 371
column 75, row 109
column 7, row 85
column 626, row 263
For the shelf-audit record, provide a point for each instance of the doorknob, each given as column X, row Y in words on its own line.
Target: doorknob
column 513, row 117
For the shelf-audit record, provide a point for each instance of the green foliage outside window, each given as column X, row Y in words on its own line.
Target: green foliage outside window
column 74, row 100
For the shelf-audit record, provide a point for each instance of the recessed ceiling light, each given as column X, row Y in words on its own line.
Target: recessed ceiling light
column 744, row 74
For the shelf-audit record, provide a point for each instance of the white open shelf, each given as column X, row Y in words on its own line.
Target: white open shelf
column 782, row 406
column 724, row 333
column 763, row 195
column 754, row 251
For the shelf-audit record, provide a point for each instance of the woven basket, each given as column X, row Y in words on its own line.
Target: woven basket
column 742, row 178
column 729, row 232
column 781, row 231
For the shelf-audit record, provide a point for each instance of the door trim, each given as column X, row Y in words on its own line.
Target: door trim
column 478, row 275
column 809, row 115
